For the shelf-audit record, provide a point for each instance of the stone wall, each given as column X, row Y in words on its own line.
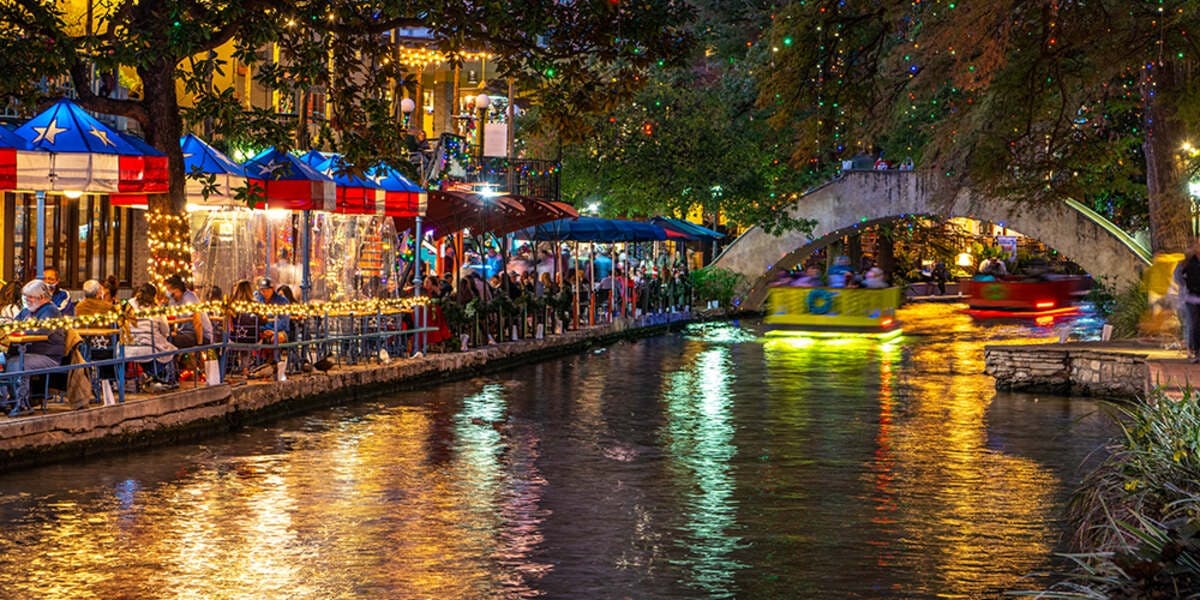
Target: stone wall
column 1067, row 369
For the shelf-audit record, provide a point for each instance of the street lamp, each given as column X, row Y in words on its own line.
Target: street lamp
column 482, row 103
column 407, row 106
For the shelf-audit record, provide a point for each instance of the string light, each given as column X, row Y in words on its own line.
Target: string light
column 123, row 316
column 422, row 57
column 170, row 246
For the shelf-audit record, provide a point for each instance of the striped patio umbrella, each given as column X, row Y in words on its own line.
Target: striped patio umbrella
column 402, row 197
column 81, row 155
column 289, row 183
column 355, row 195
column 154, row 174
column 228, row 176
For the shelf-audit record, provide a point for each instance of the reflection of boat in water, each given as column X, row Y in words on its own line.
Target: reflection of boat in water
column 1023, row 298
column 836, row 311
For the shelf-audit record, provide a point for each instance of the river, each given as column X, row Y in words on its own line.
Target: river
column 713, row 463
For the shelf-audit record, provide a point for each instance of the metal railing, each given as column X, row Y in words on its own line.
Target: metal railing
column 321, row 341
column 336, row 339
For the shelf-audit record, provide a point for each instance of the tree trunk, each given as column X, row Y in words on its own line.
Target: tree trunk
column 170, row 238
column 1170, row 209
column 855, row 250
column 885, row 252
column 303, row 139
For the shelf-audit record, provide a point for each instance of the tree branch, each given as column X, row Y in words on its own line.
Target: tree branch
column 133, row 109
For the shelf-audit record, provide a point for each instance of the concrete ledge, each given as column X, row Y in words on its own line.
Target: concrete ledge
column 189, row 413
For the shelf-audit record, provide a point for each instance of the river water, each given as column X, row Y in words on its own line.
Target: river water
column 713, row 463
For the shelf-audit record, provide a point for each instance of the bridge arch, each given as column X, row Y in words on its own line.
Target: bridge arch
column 862, row 198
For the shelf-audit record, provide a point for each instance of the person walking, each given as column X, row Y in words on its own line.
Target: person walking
column 1190, row 290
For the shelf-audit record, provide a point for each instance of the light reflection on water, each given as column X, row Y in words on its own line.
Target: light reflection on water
column 709, row 464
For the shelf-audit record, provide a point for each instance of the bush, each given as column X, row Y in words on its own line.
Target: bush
column 1137, row 515
column 1122, row 309
column 714, row 283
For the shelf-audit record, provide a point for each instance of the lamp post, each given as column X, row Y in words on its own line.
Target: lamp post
column 407, row 106
column 482, row 103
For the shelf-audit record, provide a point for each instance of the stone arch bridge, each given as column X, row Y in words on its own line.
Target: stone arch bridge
column 862, row 198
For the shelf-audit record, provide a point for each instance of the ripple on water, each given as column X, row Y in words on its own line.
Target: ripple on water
column 712, row 463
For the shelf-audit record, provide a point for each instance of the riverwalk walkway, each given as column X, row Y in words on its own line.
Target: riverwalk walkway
column 193, row 411
column 1129, row 369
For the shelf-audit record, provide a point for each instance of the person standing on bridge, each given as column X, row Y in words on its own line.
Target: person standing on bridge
column 1190, row 290
column 940, row 276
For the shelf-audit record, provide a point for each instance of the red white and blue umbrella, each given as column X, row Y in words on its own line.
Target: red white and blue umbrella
column 289, row 183
column 153, row 174
column 227, row 175
column 74, row 152
column 18, row 162
column 85, row 155
column 402, row 197
column 355, row 195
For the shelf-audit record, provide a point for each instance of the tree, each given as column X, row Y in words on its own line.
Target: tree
column 336, row 46
column 689, row 139
column 1042, row 98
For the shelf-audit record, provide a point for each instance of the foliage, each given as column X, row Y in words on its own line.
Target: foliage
column 1136, row 514
column 1123, row 309
column 689, row 141
column 304, row 50
column 1017, row 97
column 715, row 283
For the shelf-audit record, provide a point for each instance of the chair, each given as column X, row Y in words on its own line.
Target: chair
column 244, row 329
column 602, row 299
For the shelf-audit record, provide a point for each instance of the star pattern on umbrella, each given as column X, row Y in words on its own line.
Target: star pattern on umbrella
column 270, row 168
column 101, row 135
column 49, row 132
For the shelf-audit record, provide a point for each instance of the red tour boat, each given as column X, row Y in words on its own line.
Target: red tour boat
column 1015, row 297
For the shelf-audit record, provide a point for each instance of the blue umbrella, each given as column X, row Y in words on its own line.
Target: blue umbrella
column 688, row 229
column 593, row 229
column 228, row 175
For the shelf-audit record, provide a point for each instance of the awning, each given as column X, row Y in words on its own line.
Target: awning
column 536, row 212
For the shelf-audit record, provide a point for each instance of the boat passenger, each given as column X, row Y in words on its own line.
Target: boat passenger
column 991, row 269
column 810, row 278
column 840, row 272
column 875, row 279
column 783, row 279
